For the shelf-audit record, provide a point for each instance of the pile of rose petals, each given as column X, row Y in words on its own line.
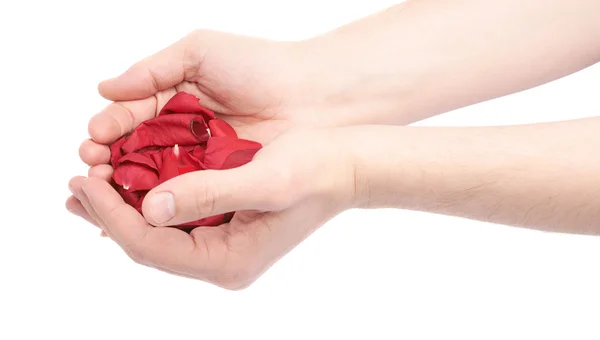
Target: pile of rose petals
column 183, row 137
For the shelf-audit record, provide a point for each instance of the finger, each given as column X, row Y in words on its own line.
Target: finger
column 120, row 118
column 92, row 153
column 76, row 208
column 160, row 71
column 75, row 186
column 200, row 194
column 168, row 248
column 102, row 171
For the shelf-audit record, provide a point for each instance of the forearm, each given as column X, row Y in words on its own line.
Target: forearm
column 542, row 176
column 425, row 57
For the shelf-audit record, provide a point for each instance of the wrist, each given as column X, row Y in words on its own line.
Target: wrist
column 372, row 168
column 349, row 86
column 393, row 167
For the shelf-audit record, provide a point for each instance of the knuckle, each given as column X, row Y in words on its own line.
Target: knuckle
column 136, row 253
column 193, row 55
column 206, row 198
column 234, row 280
column 238, row 274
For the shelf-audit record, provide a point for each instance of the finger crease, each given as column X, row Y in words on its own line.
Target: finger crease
column 129, row 128
column 154, row 80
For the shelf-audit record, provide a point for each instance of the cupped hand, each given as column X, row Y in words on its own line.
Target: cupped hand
column 294, row 185
column 256, row 85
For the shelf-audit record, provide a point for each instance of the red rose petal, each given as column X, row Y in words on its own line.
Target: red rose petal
column 138, row 158
column 163, row 131
column 220, row 128
column 177, row 164
column 199, row 129
column 186, row 103
column 169, row 167
column 198, row 153
column 136, row 171
column 135, row 176
column 115, row 151
column 226, row 153
column 131, row 197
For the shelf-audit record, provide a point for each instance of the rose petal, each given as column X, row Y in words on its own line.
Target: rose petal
column 200, row 129
column 198, row 153
column 131, row 197
column 157, row 158
column 177, row 164
column 163, row 131
column 141, row 159
column 136, row 171
column 226, row 153
column 220, row 128
column 186, row 103
column 135, row 176
column 115, row 151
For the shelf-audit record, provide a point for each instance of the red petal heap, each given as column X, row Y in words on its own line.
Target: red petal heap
column 184, row 137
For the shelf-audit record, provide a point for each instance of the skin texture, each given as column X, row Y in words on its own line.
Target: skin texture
column 540, row 176
column 426, row 57
column 412, row 61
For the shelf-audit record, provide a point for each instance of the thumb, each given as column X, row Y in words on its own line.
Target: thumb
column 157, row 72
column 206, row 193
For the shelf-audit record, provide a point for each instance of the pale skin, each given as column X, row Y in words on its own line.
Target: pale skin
column 309, row 101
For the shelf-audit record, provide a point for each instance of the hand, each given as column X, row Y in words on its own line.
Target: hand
column 254, row 84
column 292, row 186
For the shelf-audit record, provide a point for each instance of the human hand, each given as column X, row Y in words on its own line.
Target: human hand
column 292, row 186
column 250, row 82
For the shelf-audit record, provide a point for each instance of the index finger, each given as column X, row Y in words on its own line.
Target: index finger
column 163, row 70
column 120, row 118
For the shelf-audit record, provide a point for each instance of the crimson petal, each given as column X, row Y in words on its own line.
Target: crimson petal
column 130, row 197
column 164, row 131
column 226, row 153
column 135, row 176
column 198, row 153
column 177, row 164
column 220, row 128
column 115, row 151
column 186, row 103
column 199, row 129
column 138, row 158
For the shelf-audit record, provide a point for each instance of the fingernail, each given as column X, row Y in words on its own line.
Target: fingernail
column 161, row 207
column 72, row 190
column 103, row 234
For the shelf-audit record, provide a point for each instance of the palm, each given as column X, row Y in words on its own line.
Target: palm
column 249, row 82
column 258, row 125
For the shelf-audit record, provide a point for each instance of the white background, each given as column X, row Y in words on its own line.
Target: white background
column 372, row 274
